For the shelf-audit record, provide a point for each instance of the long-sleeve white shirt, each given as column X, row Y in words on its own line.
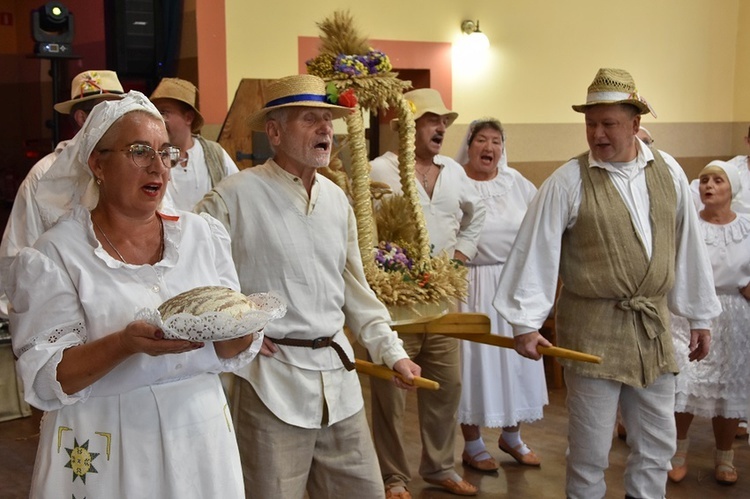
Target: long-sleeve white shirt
column 455, row 213
column 304, row 248
column 67, row 290
column 528, row 283
column 25, row 223
column 191, row 181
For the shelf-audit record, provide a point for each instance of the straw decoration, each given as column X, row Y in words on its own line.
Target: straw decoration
column 348, row 63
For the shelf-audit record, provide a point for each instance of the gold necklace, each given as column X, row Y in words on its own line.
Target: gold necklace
column 119, row 255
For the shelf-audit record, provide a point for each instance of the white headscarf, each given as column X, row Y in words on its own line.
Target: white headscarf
column 731, row 173
column 462, row 156
column 69, row 181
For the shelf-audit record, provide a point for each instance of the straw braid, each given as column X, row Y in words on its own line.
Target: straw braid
column 432, row 281
column 361, row 187
column 406, row 160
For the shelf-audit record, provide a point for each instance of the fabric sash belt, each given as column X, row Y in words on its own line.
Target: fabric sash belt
column 322, row 342
column 650, row 318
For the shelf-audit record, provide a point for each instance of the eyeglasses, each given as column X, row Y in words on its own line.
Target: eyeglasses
column 143, row 155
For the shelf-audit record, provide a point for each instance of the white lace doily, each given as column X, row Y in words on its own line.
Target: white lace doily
column 217, row 326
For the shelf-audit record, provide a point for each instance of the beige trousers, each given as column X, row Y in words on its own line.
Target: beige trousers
column 439, row 359
column 282, row 461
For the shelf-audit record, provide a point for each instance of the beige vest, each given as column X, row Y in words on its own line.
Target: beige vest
column 613, row 298
column 214, row 155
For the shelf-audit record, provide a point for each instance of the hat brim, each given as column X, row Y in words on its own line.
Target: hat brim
column 642, row 108
column 257, row 121
column 65, row 106
column 451, row 118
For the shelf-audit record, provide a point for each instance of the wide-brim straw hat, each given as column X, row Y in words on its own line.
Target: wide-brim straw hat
column 90, row 85
column 427, row 100
column 183, row 91
column 296, row 90
column 614, row 86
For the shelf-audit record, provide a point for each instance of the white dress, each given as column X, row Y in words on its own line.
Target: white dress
column 719, row 385
column 500, row 388
column 153, row 426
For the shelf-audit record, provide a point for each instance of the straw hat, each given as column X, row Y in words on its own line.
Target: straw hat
column 427, row 100
column 297, row 90
column 89, row 85
column 614, row 86
column 183, row 91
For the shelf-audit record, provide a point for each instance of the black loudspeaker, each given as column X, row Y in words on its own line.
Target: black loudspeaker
column 135, row 37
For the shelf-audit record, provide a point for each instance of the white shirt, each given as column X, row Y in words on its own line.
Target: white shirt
column 729, row 250
column 190, row 181
column 506, row 198
column 529, row 280
column 32, row 215
column 455, row 213
column 305, row 249
column 68, row 290
column 25, row 223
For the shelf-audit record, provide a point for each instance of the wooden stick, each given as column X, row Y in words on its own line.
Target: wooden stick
column 383, row 372
column 463, row 323
column 505, row 342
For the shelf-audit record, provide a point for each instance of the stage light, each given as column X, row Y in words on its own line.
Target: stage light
column 52, row 28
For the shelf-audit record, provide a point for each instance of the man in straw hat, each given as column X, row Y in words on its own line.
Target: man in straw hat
column 31, row 215
column 203, row 163
column 454, row 214
column 618, row 224
column 298, row 408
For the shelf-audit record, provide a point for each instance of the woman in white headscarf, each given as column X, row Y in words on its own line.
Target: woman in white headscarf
column 129, row 413
column 718, row 387
column 499, row 388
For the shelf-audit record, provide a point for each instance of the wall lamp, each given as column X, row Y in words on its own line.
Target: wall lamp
column 476, row 38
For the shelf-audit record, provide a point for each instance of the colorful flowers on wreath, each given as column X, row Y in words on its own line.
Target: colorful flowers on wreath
column 392, row 258
column 347, row 98
column 373, row 62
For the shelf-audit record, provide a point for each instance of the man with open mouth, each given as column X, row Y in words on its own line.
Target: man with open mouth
column 454, row 214
column 299, row 410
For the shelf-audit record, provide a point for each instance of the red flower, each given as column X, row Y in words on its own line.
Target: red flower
column 347, row 98
column 425, row 280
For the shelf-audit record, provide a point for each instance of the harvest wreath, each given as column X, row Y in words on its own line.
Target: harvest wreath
column 394, row 244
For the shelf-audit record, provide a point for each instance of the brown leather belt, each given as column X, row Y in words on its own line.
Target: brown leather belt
column 322, row 342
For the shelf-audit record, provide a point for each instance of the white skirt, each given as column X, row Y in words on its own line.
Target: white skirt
column 718, row 385
column 174, row 440
column 500, row 388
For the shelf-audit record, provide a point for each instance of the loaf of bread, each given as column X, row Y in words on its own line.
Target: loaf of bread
column 204, row 299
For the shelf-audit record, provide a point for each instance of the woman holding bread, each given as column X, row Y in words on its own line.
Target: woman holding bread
column 129, row 413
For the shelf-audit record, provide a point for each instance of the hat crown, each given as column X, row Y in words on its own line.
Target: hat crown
column 95, row 82
column 178, row 89
column 427, row 100
column 291, row 86
column 612, row 80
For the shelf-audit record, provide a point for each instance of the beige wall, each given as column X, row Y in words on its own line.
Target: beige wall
column 688, row 58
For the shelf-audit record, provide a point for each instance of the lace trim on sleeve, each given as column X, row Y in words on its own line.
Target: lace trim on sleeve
column 53, row 335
